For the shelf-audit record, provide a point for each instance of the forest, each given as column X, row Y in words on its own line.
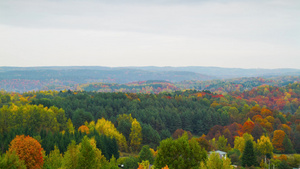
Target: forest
column 170, row 128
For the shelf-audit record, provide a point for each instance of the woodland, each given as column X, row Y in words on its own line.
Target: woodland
column 157, row 124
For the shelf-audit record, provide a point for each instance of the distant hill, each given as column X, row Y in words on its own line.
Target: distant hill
column 47, row 78
column 227, row 73
column 22, row 79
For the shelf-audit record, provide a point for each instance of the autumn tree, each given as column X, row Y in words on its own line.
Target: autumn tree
column 70, row 126
column 257, row 131
column 277, row 140
column 266, row 112
column 264, row 146
column 204, row 143
column 222, row 144
column 248, row 126
column 107, row 128
column 84, row 129
column 135, row 135
column 179, row 132
column 144, row 165
column 240, row 142
column 166, row 167
column 29, row 150
column 215, row 162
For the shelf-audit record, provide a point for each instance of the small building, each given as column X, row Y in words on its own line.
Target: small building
column 222, row 154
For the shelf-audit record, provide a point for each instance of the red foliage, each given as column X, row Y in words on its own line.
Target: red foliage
column 248, row 127
column 266, row 112
column 204, row 143
column 234, row 128
column 215, row 132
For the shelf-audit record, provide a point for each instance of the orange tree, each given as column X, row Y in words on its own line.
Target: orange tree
column 84, row 129
column 278, row 140
column 29, row 150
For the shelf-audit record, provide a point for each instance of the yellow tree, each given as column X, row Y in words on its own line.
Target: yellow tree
column 70, row 126
column 239, row 142
column 107, row 128
column 265, row 146
column 135, row 135
column 215, row 162
column 144, row 164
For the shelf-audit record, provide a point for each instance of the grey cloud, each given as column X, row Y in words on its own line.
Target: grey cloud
column 199, row 26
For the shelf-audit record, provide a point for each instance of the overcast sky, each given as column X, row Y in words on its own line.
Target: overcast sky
column 222, row 33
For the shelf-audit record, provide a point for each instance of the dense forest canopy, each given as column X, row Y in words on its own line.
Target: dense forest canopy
column 253, row 120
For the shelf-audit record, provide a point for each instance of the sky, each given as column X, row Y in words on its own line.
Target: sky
column 221, row 33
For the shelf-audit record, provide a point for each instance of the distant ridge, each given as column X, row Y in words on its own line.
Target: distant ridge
column 213, row 72
column 23, row 79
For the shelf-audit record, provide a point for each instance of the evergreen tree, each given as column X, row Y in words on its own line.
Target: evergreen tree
column 54, row 159
column 288, row 146
column 70, row 160
column 248, row 157
column 131, row 162
column 87, row 154
column 283, row 165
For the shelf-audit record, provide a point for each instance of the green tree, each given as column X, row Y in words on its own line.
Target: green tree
column 283, row 165
column 146, row 154
column 124, row 128
column 150, row 136
column 87, row 154
column 248, row 157
column 11, row 161
column 130, row 163
column 164, row 134
column 179, row 153
column 287, row 145
column 54, row 159
column 222, row 144
column 124, row 124
column 80, row 116
column 70, row 160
